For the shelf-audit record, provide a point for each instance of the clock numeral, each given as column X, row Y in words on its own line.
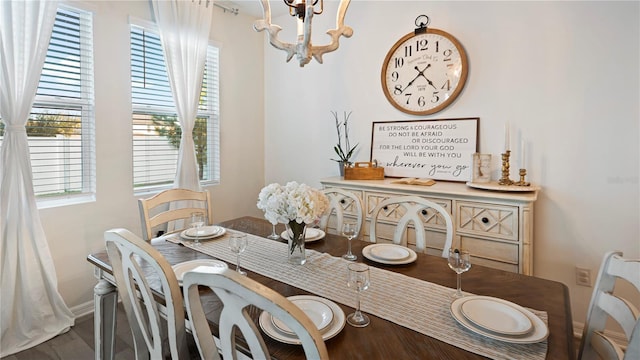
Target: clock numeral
column 399, row 62
column 437, row 46
column 435, row 98
column 408, row 95
column 421, row 45
column 421, row 101
column 447, row 85
column 407, row 50
column 447, row 55
column 397, row 90
column 395, row 76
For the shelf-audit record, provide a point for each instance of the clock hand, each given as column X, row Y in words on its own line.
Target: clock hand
column 421, row 73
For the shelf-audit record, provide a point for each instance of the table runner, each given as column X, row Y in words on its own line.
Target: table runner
column 423, row 306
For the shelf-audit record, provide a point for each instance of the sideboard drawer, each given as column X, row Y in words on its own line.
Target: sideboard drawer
column 496, row 251
column 487, row 220
column 430, row 218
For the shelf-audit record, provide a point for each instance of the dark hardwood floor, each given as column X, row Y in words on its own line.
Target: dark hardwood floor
column 77, row 343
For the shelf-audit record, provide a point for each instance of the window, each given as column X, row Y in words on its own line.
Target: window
column 60, row 128
column 156, row 131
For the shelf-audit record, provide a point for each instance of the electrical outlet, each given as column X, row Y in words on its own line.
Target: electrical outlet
column 583, row 276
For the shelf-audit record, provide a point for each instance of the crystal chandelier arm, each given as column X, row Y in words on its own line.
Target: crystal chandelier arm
column 341, row 29
column 273, row 30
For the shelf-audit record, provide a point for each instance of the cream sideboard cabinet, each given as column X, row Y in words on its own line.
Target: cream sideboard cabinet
column 496, row 227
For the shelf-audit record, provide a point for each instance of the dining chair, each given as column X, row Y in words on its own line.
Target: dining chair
column 240, row 296
column 411, row 209
column 340, row 202
column 171, row 206
column 130, row 257
column 606, row 305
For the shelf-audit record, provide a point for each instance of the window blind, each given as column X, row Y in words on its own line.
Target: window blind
column 156, row 131
column 60, row 128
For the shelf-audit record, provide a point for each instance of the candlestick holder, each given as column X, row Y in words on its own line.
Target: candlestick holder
column 504, row 180
column 522, row 182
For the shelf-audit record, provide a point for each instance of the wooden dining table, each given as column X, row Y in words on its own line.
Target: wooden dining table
column 381, row 339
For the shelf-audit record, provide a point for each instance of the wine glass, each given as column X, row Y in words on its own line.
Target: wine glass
column 358, row 278
column 197, row 222
column 274, row 235
column 350, row 231
column 459, row 262
column 237, row 244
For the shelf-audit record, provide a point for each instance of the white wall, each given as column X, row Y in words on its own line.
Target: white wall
column 75, row 231
column 564, row 74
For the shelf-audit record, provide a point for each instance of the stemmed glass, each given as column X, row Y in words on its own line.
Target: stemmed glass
column 358, row 278
column 459, row 262
column 273, row 235
column 197, row 222
column 350, row 231
column 237, row 244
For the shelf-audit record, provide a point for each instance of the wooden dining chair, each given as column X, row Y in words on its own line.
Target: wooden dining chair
column 341, row 202
column 238, row 293
column 129, row 255
column 171, row 206
column 604, row 305
column 416, row 210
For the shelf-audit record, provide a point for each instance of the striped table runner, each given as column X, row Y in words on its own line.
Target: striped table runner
column 422, row 307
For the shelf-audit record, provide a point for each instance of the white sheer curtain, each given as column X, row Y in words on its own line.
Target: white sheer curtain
column 184, row 27
column 32, row 310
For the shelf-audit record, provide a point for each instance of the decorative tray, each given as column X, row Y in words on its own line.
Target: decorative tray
column 493, row 185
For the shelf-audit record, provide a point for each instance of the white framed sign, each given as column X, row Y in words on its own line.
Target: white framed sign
column 436, row 149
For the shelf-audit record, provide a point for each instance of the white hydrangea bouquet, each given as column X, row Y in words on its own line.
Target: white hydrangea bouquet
column 294, row 205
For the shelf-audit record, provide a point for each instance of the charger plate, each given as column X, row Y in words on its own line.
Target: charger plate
column 539, row 332
column 373, row 252
column 339, row 320
column 311, row 234
column 183, row 267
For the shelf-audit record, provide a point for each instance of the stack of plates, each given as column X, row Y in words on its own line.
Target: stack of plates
column 389, row 254
column 312, row 234
column 499, row 319
column 181, row 268
column 204, row 233
column 325, row 314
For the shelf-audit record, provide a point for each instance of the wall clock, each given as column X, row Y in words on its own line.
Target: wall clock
column 424, row 71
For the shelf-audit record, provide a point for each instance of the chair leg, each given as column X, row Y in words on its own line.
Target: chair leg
column 105, row 300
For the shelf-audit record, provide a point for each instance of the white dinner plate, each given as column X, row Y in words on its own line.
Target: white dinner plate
column 339, row 320
column 319, row 312
column 312, row 234
column 205, row 232
column 390, row 252
column 183, row 267
column 496, row 315
column 539, row 332
column 369, row 251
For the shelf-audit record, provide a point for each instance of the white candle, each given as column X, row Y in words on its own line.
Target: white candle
column 506, row 137
column 522, row 158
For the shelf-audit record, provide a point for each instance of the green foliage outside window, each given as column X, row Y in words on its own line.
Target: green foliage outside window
column 169, row 127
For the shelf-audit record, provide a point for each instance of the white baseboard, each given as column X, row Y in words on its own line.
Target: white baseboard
column 82, row 309
column 618, row 337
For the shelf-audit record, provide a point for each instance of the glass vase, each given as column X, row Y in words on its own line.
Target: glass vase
column 296, row 250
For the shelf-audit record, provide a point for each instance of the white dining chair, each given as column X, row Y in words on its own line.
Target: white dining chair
column 604, row 305
column 411, row 209
column 170, row 209
column 152, row 326
column 237, row 294
column 340, row 202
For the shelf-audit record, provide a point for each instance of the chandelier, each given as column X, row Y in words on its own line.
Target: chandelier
column 304, row 10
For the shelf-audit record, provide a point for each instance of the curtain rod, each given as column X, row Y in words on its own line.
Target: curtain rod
column 233, row 10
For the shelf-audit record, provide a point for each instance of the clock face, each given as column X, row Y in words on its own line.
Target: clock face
column 422, row 74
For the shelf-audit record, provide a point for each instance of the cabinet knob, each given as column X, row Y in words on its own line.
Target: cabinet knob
column 385, row 208
column 342, row 201
column 424, row 212
column 485, row 220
